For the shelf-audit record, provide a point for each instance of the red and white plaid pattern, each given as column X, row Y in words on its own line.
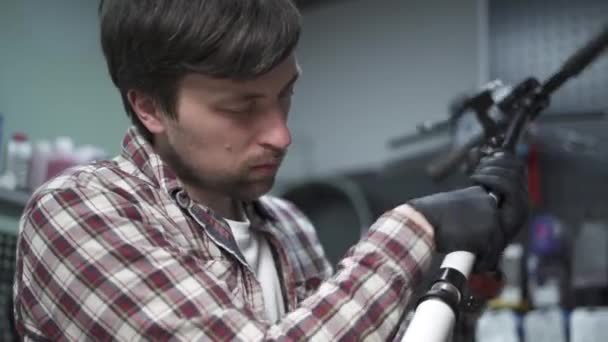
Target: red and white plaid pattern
column 118, row 251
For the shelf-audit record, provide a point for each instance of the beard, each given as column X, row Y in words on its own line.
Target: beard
column 232, row 183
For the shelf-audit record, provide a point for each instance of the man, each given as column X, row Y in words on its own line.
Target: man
column 174, row 238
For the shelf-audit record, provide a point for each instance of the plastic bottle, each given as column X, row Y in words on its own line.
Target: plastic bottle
column 545, row 325
column 512, row 262
column 41, row 156
column 63, row 157
column 497, row 325
column 19, row 154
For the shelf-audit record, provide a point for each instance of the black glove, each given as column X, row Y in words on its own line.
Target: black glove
column 505, row 175
column 470, row 220
column 463, row 220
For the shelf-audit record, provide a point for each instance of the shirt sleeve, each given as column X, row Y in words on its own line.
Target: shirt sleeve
column 91, row 265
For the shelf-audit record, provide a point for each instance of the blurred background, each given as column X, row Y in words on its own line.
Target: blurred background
column 374, row 115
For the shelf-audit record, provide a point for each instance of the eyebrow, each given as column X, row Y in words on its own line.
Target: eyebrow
column 253, row 96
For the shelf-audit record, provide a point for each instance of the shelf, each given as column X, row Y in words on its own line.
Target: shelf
column 13, row 199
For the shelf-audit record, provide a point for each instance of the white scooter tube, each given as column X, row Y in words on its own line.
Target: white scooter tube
column 434, row 319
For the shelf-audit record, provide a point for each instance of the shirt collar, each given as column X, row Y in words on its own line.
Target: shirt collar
column 140, row 152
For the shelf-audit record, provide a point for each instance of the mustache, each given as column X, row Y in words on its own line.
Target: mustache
column 269, row 157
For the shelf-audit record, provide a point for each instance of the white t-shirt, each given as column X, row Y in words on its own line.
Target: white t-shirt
column 256, row 250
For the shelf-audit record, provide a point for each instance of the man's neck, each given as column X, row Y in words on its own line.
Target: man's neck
column 223, row 205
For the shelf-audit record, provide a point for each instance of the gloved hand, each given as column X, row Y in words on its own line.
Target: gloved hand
column 470, row 220
column 505, row 175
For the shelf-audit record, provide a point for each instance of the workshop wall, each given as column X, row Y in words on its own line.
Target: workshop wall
column 53, row 78
column 373, row 70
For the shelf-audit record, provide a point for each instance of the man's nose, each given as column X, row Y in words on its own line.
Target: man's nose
column 275, row 133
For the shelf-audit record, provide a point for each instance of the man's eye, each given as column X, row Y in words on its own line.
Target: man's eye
column 239, row 109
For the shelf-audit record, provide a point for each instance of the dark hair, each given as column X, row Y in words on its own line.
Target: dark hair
column 150, row 45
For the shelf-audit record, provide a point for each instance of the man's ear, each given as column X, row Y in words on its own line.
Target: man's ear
column 147, row 110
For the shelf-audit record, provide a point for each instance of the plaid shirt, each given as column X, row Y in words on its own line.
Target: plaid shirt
column 118, row 251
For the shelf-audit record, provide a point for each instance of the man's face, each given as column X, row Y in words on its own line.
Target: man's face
column 230, row 137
